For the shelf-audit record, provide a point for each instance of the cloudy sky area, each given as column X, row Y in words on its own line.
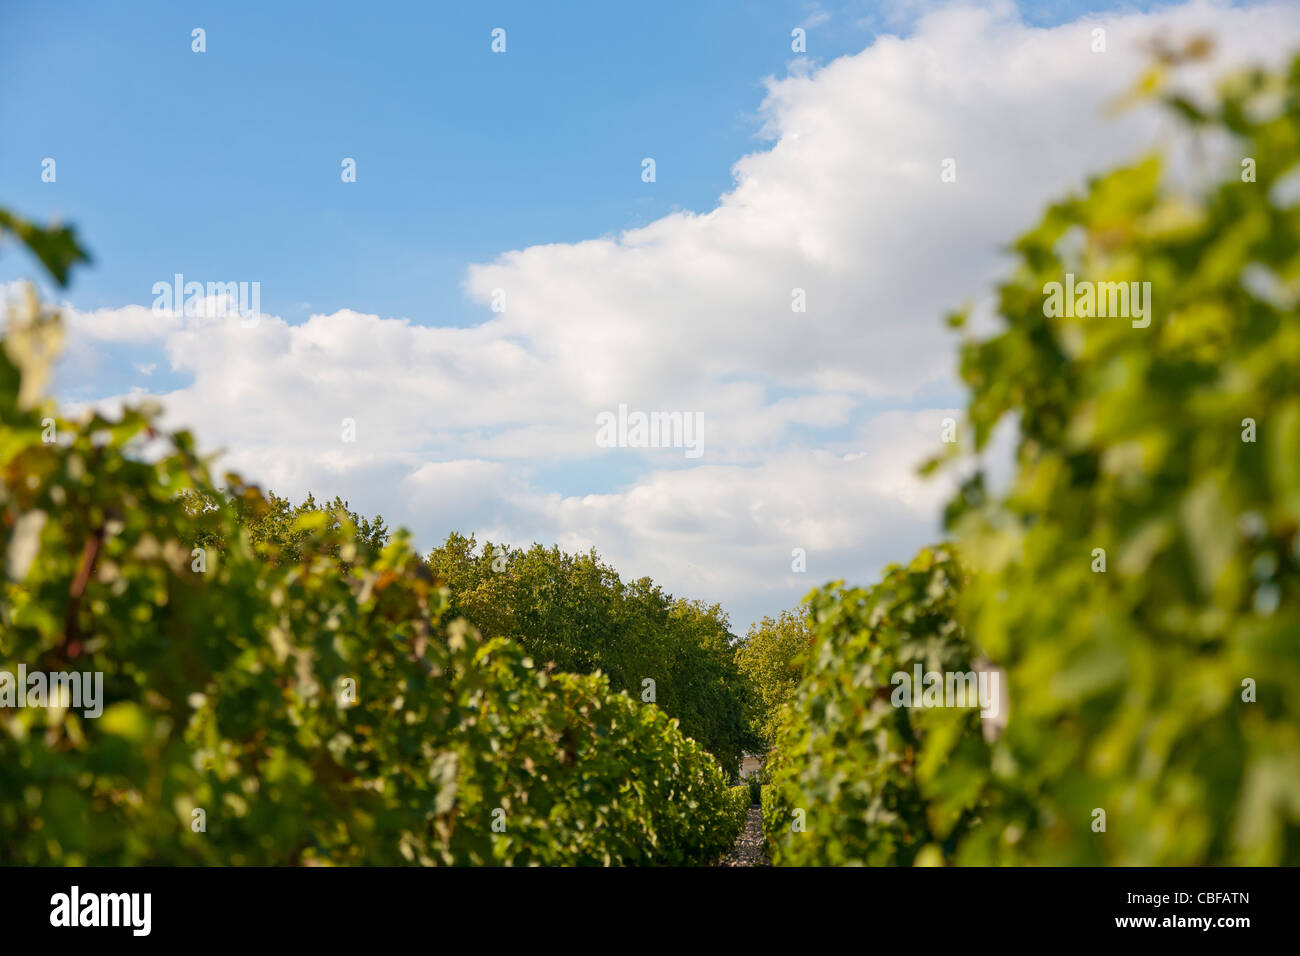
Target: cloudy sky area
column 672, row 295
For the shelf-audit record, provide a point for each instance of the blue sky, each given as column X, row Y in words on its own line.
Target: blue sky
column 227, row 163
column 522, row 171
column 461, row 153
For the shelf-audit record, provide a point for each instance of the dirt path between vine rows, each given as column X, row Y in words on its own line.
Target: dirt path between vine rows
column 748, row 850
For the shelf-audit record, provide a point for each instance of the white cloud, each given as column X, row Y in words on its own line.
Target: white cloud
column 814, row 16
column 806, row 442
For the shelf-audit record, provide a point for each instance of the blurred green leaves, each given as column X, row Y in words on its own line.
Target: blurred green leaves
column 55, row 246
column 1175, row 450
column 1126, row 685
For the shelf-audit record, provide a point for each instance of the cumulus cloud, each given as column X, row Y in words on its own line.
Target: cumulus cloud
column 814, row 421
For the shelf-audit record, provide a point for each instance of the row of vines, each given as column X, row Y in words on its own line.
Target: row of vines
column 1135, row 586
column 312, row 707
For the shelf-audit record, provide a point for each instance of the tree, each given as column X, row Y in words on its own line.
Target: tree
column 573, row 612
column 276, row 527
column 771, row 657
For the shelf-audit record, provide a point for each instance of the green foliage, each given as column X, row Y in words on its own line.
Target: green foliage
column 575, row 613
column 771, row 659
column 300, row 691
column 1157, row 687
column 1127, row 686
column 275, row 528
column 737, row 811
column 879, row 784
column 755, row 790
column 55, row 246
column 777, row 817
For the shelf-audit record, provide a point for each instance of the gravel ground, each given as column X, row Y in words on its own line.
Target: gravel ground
column 748, row 850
